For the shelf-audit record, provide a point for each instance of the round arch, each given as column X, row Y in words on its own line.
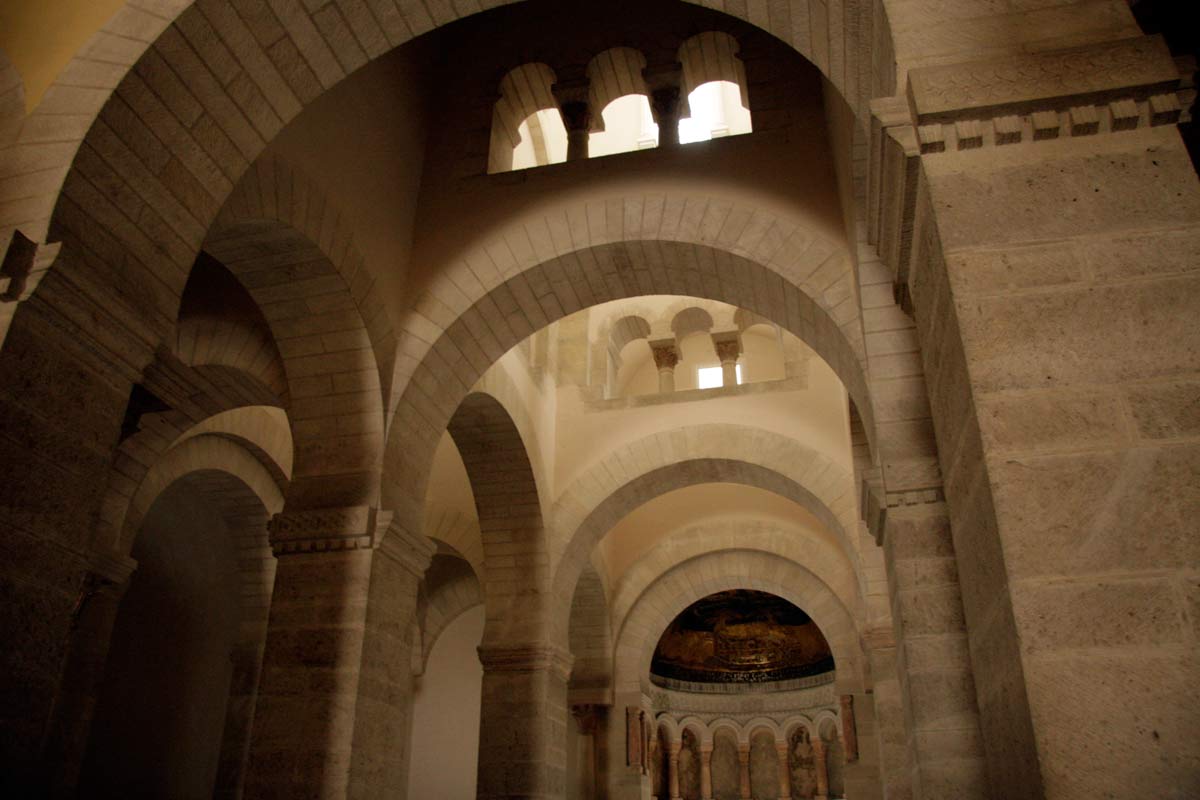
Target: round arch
column 723, row 571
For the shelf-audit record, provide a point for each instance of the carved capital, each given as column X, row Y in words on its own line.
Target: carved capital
column 588, row 717
column 728, row 345
column 665, row 352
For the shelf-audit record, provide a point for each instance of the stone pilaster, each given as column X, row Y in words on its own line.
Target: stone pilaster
column 92, row 623
column 1040, row 216
column 523, row 725
column 590, row 718
column 332, row 719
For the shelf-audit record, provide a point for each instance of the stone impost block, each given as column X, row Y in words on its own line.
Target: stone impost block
column 526, row 658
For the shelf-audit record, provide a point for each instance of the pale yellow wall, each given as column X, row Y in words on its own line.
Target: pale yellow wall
column 41, row 36
column 445, row 717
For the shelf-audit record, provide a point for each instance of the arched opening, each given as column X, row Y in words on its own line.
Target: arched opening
column 738, row 639
column 628, row 125
column 168, row 720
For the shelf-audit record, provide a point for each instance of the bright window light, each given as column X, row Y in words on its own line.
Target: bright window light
column 711, row 378
column 717, row 111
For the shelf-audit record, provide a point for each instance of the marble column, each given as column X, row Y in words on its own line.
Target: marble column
column 706, row 751
column 728, row 345
column 819, row 750
column 673, row 769
column 744, row 771
column 785, row 773
column 666, row 358
column 523, row 719
column 92, row 623
column 332, row 718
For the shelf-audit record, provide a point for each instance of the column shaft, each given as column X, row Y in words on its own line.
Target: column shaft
column 523, row 722
column 706, row 772
column 785, row 774
column 335, row 697
column 744, row 771
column 818, row 747
column 673, row 771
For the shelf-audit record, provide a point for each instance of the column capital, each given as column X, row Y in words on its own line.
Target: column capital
column 526, row 658
column 728, row 345
column 666, row 353
column 588, row 716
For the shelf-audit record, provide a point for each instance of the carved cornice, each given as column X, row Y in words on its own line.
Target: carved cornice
column 1082, row 91
column 347, row 528
column 1094, row 75
column 527, row 658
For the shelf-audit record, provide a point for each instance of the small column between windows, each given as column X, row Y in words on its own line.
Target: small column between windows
column 728, row 345
column 666, row 358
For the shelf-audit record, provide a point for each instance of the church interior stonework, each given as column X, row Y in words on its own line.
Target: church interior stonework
column 631, row 399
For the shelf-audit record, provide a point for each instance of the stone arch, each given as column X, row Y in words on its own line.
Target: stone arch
column 158, row 432
column 612, row 74
column 635, row 473
column 665, row 722
column 480, row 325
column 722, row 571
column 285, row 63
column 724, row 723
column 524, row 91
column 448, row 591
column 692, row 319
column 825, row 721
column 697, row 727
column 458, row 531
column 327, row 354
column 201, row 454
column 819, row 557
column 275, row 189
column 752, row 726
column 589, row 634
column 795, row 721
column 510, row 519
column 711, row 56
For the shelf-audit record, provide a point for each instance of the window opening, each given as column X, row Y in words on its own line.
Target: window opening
column 717, row 110
column 711, row 378
column 628, row 125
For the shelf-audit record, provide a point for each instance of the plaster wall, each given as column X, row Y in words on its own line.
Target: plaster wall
column 445, row 717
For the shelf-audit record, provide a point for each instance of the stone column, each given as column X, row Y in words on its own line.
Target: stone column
column 572, row 97
column 335, row 697
column 728, row 345
column 673, row 769
column 523, row 722
column 785, row 774
column 83, row 671
column 849, row 727
column 706, row 751
column 744, row 771
column 666, row 358
column 818, row 748
column 664, row 82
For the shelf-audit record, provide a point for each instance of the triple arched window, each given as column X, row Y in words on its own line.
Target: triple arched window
column 528, row 126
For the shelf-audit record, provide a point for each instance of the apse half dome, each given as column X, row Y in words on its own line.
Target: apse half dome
column 740, row 637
